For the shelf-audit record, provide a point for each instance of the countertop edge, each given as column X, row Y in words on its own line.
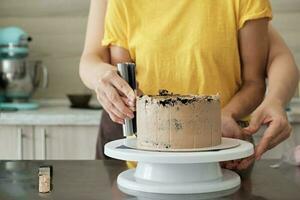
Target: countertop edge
column 52, row 113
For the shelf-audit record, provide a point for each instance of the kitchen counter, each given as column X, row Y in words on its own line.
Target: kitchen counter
column 52, row 112
column 96, row 180
column 58, row 112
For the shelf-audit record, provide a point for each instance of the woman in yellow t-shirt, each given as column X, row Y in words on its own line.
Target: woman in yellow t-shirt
column 187, row 47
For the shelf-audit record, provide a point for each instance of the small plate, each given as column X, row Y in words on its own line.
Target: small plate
column 226, row 143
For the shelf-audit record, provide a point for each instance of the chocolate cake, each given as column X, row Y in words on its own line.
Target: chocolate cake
column 169, row 122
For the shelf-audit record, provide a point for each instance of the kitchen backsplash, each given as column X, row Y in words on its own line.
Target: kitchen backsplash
column 58, row 31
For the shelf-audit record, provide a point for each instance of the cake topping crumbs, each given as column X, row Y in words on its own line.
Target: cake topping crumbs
column 209, row 98
column 164, row 92
column 166, row 98
column 172, row 100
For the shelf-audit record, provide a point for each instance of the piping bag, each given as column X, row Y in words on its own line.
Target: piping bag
column 127, row 72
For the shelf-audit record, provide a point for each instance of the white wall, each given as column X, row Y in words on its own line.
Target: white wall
column 287, row 22
column 58, row 29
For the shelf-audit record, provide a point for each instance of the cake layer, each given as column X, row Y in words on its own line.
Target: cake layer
column 178, row 122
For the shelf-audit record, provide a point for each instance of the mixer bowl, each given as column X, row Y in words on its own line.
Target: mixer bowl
column 20, row 78
column 79, row 100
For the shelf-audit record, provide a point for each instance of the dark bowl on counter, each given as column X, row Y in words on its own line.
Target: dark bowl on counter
column 79, row 100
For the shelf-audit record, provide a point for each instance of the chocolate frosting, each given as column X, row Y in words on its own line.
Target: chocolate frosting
column 172, row 121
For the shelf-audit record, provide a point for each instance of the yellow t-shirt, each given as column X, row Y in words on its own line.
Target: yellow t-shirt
column 184, row 46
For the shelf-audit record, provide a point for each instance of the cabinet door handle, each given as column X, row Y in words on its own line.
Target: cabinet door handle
column 44, row 144
column 20, row 143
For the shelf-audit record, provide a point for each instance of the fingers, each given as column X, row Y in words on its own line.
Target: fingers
column 225, row 164
column 246, row 162
column 238, row 133
column 255, row 123
column 231, row 129
column 113, row 112
column 232, row 164
column 115, row 118
column 112, row 102
column 274, row 129
column 115, row 99
column 109, row 89
column 123, row 87
column 240, row 164
column 281, row 137
column 128, row 103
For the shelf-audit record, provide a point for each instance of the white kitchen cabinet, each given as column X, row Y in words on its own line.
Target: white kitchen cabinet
column 48, row 142
column 65, row 142
column 16, row 142
column 54, row 131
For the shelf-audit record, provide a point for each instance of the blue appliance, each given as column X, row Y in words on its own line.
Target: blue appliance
column 18, row 77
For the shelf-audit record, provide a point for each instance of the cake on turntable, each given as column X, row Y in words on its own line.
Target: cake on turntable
column 178, row 149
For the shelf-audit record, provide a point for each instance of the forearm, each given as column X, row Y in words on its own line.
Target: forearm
column 245, row 100
column 92, row 67
column 283, row 77
column 95, row 58
column 253, row 46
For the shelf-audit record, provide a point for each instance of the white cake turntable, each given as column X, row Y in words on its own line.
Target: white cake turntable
column 179, row 173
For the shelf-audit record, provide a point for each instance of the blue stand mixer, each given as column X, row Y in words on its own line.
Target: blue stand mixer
column 19, row 76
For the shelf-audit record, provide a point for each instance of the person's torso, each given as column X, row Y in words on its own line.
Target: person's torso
column 185, row 46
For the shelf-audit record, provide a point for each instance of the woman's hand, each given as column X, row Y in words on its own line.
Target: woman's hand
column 274, row 116
column 271, row 114
column 116, row 96
column 229, row 127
